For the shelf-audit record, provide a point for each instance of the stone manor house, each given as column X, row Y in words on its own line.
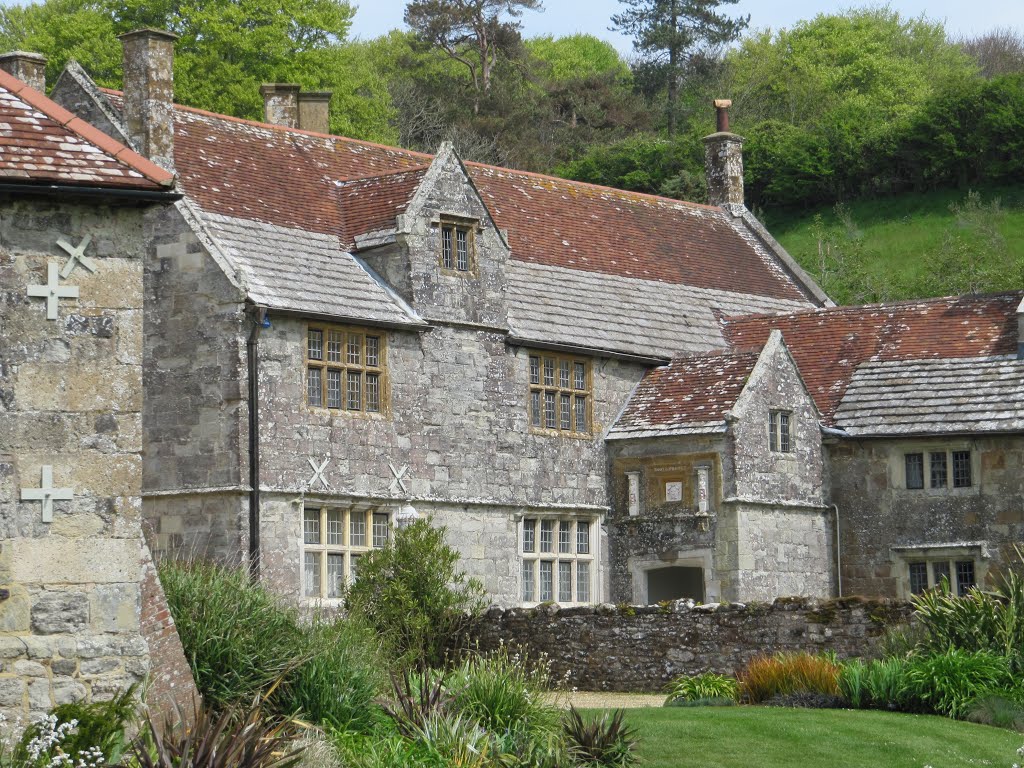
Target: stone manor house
column 260, row 341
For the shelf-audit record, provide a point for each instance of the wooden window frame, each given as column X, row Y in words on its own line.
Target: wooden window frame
column 565, row 554
column 448, row 256
column 344, row 367
column 321, row 549
column 538, row 390
column 781, row 440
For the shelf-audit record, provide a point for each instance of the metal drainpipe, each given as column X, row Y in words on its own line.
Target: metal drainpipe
column 258, row 316
column 839, row 557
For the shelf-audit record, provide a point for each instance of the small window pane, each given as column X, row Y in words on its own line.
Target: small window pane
column 964, row 577
column 528, row 586
column 535, row 409
column 354, row 400
column 565, row 412
column 579, row 376
column 564, row 536
column 355, row 349
column 335, row 574
column 380, row 530
column 335, row 340
column 447, row 259
column 547, row 538
column 373, row 351
column 357, row 530
column 565, row 582
column 940, row 575
column 914, row 463
column 549, row 372
column 581, row 414
column 316, row 344
column 462, row 250
column 534, row 369
column 311, row 526
column 773, row 430
column 784, row 437
column 582, row 582
column 353, row 561
column 563, row 374
column 333, row 388
column 314, row 394
column 529, row 535
column 335, row 527
column 546, row 579
column 582, row 538
column 918, row 577
column 961, row 469
column 312, row 574
column 938, row 470
column 373, row 392
column 549, row 410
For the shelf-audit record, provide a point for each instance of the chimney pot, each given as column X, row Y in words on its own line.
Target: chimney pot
column 28, row 67
column 315, row 111
column 149, row 93
column 281, row 104
column 723, row 161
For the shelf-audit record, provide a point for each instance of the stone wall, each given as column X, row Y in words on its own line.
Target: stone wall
column 641, row 648
column 70, row 420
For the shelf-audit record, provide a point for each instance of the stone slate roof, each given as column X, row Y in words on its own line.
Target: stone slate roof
column 291, row 269
column 371, row 204
column 937, row 396
column 557, row 305
column 43, row 143
column 691, row 395
column 829, row 345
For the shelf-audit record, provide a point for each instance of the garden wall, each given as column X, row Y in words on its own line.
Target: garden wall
column 641, row 648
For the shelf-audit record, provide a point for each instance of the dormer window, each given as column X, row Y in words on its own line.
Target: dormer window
column 458, row 246
column 780, row 435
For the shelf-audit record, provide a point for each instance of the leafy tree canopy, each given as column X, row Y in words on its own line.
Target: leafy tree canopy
column 578, row 57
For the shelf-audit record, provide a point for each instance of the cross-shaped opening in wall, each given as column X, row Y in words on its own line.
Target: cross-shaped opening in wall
column 47, row 494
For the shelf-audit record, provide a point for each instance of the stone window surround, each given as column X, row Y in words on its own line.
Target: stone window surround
column 453, row 223
column 695, row 558
column 949, row 553
column 370, row 518
column 540, row 388
column 899, row 467
column 380, row 370
column 593, row 558
column 781, row 441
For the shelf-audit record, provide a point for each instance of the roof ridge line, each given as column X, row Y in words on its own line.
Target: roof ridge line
column 85, row 131
column 353, row 179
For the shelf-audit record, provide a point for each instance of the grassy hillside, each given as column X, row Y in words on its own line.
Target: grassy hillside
column 910, row 246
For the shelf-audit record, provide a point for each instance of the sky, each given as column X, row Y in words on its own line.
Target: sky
column 566, row 17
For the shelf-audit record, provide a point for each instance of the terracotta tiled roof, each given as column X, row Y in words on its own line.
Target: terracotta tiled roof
column 287, row 177
column 371, row 204
column 43, row 143
column 690, row 395
column 829, row 344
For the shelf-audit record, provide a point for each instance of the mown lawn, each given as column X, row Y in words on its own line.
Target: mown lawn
column 765, row 737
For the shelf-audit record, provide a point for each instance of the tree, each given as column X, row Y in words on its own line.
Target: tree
column 471, row 32
column 670, row 33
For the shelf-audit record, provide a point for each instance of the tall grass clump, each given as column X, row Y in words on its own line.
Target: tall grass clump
column 237, row 637
column 706, row 688
column 788, row 674
column 949, row 682
column 605, row 742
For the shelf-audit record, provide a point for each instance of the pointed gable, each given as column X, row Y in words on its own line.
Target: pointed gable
column 373, row 203
column 43, row 143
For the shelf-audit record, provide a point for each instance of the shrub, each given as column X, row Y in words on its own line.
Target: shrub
column 237, row 638
column 701, row 687
column 418, row 698
column 853, row 683
column 947, row 683
column 412, row 593
column 999, row 711
column 785, row 674
column 886, row 683
column 607, row 741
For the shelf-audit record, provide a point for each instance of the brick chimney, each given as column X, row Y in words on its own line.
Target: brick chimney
column 315, row 111
column 28, row 67
column 281, row 104
column 723, row 160
column 149, row 93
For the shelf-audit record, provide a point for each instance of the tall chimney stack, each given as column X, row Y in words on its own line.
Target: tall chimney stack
column 723, row 160
column 28, row 67
column 149, row 93
column 315, row 111
column 281, row 104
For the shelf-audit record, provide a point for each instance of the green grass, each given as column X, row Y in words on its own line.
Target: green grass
column 897, row 232
column 765, row 737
